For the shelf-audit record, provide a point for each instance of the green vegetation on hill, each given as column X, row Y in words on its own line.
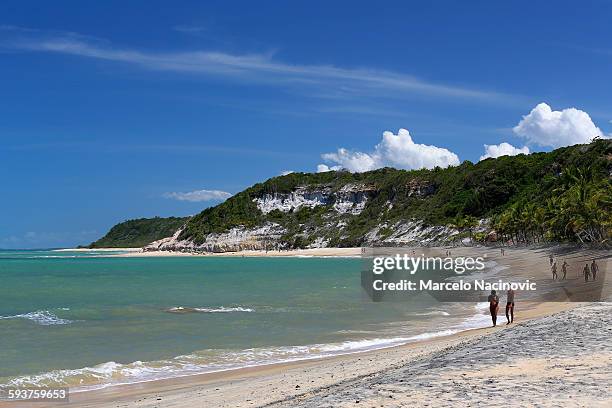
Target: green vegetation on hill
column 562, row 195
column 140, row 232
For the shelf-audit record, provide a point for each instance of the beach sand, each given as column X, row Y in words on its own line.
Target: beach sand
column 560, row 360
column 556, row 353
column 545, row 361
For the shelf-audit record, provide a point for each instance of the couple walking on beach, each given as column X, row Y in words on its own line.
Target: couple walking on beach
column 553, row 269
column 494, row 306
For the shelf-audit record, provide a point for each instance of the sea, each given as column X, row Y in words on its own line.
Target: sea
column 89, row 320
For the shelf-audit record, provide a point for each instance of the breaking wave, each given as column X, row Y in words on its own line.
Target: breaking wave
column 205, row 361
column 222, row 309
column 41, row 317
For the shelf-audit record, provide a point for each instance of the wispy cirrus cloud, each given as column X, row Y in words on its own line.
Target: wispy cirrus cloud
column 190, row 29
column 199, row 195
column 261, row 67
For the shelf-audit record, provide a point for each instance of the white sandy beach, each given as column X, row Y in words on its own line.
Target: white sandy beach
column 555, row 354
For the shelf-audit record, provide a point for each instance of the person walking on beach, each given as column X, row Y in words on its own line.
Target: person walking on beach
column 564, row 269
column 585, row 271
column 551, row 259
column 594, row 269
column 510, row 306
column 493, row 306
column 554, row 271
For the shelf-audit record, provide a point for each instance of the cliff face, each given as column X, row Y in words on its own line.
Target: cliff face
column 336, row 208
column 350, row 199
column 236, row 239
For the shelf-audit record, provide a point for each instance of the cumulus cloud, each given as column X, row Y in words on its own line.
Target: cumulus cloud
column 285, row 172
column 503, row 149
column 352, row 161
column 546, row 127
column 397, row 151
column 323, row 168
column 199, row 195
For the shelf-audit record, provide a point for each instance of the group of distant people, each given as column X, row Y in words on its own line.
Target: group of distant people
column 494, row 306
column 589, row 272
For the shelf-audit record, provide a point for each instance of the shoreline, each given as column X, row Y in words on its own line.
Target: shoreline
column 313, row 252
column 339, row 252
column 136, row 394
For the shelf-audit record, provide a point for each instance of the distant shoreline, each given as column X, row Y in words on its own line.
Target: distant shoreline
column 314, row 252
column 556, row 249
column 97, row 249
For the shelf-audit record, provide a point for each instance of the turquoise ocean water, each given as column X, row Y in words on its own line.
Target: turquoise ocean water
column 89, row 321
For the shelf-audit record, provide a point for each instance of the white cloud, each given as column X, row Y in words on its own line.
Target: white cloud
column 252, row 67
column 199, row 195
column 352, row 161
column 323, row 168
column 503, row 149
column 397, row 151
column 545, row 127
column 285, row 172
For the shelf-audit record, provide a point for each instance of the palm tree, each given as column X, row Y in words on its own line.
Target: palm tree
column 539, row 220
column 470, row 223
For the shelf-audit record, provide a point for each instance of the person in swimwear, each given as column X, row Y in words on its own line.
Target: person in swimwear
column 594, row 269
column 510, row 306
column 493, row 306
column 564, row 269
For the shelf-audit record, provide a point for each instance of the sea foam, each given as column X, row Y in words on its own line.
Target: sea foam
column 41, row 317
column 205, row 361
column 222, row 309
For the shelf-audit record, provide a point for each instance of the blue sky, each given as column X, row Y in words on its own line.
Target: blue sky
column 115, row 110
